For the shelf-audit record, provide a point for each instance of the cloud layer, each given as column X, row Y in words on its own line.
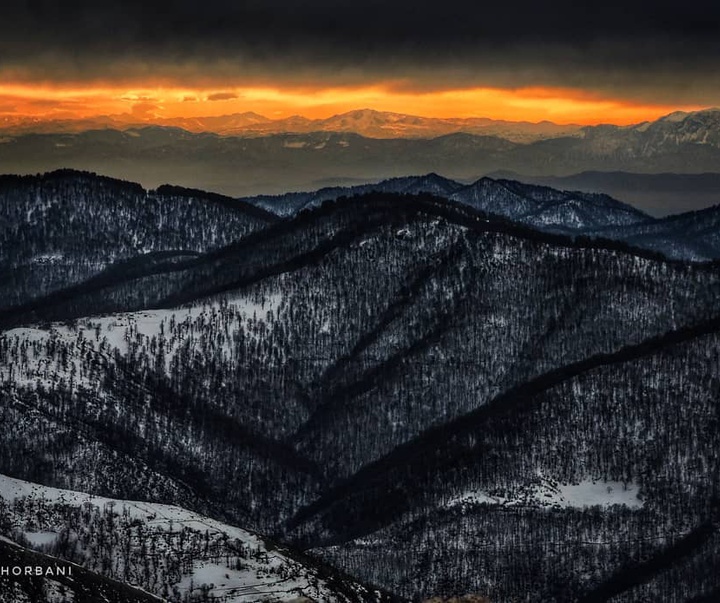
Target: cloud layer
column 634, row 51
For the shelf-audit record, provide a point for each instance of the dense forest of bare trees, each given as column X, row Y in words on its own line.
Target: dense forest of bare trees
column 431, row 399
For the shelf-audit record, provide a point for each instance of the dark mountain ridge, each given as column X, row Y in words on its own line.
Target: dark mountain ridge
column 433, row 398
column 376, row 209
column 657, row 194
column 690, row 235
column 542, row 207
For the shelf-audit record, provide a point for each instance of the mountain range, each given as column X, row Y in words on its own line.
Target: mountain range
column 658, row 194
column 366, row 122
column 414, row 396
column 348, row 149
column 689, row 236
column 539, row 206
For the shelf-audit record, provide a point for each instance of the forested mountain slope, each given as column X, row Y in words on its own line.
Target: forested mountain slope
column 429, row 397
column 692, row 235
column 601, row 465
column 65, row 226
column 173, row 553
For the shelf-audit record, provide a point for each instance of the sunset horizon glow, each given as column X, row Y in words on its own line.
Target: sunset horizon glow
column 148, row 103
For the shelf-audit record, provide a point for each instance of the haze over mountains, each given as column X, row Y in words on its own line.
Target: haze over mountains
column 366, row 122
column 422, row 395
column 247, row 154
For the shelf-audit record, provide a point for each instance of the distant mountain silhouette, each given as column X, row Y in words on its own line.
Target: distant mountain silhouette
column 366, row 122
column 263, row 162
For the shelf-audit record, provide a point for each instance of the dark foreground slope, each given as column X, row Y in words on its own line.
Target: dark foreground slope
column 429, row 397
column 176, row 555
column 490, row 489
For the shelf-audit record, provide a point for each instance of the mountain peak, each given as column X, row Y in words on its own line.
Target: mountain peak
column 674, row 116
column 678, row 116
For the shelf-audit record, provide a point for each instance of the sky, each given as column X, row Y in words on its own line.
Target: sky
column 563, row 62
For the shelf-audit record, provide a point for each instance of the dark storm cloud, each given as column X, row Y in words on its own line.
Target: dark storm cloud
column 638, row 48
column 220, row 96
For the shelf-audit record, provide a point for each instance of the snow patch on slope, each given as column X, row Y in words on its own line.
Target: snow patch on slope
column 546, row 492
column 121, row 331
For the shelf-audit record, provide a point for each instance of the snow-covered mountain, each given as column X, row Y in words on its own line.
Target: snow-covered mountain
column 384, row 124
column 701, row 127
column 166, row 550
column 678, row 128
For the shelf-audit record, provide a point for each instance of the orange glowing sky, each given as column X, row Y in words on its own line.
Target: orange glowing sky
column 564, row 62
column 143, row 101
